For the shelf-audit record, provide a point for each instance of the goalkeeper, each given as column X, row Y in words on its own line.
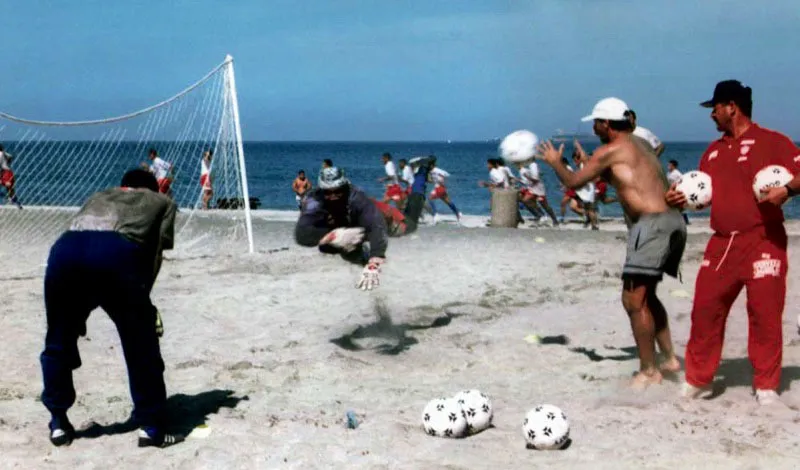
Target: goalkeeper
column 339, row 218
column 109, row 258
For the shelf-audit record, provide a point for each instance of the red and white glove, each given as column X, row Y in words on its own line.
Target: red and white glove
column 370, row 276
column 346, row 239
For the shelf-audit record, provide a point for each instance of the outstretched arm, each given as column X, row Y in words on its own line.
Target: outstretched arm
column 593, row 168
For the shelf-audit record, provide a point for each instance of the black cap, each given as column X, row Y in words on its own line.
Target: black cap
column 730, row 90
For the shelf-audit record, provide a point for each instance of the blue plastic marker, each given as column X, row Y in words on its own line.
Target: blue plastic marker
column 352, row 422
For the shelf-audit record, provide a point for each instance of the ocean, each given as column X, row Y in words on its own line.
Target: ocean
column 272, row 166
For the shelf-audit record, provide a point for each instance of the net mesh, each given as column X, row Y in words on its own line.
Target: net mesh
column 58, row 165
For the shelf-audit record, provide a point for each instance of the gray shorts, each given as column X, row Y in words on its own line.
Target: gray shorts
column 655, row 245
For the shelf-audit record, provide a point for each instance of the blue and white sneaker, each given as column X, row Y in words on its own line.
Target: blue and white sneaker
column 150, row 437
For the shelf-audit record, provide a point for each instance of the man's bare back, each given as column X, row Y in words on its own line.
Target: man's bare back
column 636, row 175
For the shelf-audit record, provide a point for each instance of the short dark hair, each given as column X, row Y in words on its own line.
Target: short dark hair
column 632, row 114
column 139, row 178
column 152, row 152
column 328, row 162
column 402, row 160
column 301, row 171
column 387, row 155
column 620, row 125
column 1, row 147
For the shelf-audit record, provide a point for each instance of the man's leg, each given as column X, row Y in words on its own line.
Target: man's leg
column 717, row 286
column 636, row 290
column 127, row 302
column 67, row 308
column 663, row 335
column 546, row 206
column 766, row 294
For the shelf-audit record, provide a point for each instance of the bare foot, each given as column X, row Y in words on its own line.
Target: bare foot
column 671, row 365
column 642, row 380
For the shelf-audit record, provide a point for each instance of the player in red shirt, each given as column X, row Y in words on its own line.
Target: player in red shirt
column 747, row 249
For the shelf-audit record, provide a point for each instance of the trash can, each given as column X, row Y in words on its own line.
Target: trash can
column 505, row 208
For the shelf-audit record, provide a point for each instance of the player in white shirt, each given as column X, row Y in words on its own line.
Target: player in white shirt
column 583, row 202
column 7, row 178
column 533, row 191
column 673, row 177
column 438, row 176
column 394, row 192
column 205, row 177
column 646, row 134
column 162, row 170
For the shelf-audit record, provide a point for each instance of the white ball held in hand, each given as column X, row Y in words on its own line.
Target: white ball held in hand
column 546, row 428
column 772, row 176
column 519, row 146
column 696, row 186
column 477, row 409
column 443, row 417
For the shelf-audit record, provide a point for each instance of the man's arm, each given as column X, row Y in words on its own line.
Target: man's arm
column 660, row 149
column 593, row 168
column 368, row 216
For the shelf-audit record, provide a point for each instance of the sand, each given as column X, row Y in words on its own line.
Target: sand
column 270, row 350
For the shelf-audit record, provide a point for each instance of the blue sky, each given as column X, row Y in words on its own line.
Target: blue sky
column 406, row 70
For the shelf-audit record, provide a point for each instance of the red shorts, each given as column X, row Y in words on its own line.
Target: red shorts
column 600, row 189
column 205, row 182
column 395, row 220
column 6, row 178
column 570, row 193
column 395, row 192
column 163, row 185
column 526, row 194
column 438, row 192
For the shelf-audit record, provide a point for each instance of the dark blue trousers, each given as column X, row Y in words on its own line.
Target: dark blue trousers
column 86, row 270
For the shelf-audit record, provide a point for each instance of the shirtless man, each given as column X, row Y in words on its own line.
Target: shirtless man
column 657, row 239
column 301, row 186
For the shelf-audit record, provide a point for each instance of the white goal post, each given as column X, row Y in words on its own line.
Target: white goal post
column 56, row 165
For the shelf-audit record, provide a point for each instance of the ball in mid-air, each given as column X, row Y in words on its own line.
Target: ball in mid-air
column 519, row 146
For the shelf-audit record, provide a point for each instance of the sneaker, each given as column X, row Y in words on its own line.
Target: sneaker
column 690, row 391
column 61, row 432
column 767, row 397
column 155, row 439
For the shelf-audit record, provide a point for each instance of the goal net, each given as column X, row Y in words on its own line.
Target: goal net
column 57, row 165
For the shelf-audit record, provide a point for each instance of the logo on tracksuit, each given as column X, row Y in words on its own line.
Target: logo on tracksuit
column 766, row 266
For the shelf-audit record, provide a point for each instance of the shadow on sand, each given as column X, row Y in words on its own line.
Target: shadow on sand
column 184, row 413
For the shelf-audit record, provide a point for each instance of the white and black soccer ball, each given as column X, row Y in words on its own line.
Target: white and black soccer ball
column 519, row 146
column 772, row 176
column 477, row 408
column 444, row 417
column 546, row 428
column 696, row 186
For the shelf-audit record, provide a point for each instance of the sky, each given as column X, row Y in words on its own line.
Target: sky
column 406, row 70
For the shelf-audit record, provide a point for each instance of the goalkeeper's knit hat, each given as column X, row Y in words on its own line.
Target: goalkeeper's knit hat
column 332, row 178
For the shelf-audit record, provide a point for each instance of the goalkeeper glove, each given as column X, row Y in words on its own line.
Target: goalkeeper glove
column 343, row 238
column 370, row 275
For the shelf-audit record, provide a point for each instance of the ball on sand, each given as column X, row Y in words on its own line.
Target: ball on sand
column 478, row 409
column 444, row 417
column 519, row 146
column 546, row 428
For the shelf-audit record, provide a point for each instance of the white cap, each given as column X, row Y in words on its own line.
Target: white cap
column 608, row 109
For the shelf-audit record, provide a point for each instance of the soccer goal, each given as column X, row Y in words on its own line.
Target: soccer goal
column 57, row 165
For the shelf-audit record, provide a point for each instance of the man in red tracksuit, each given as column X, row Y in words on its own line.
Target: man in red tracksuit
column 747, row 249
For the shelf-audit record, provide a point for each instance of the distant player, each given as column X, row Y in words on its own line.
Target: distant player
column 673, row 177
column 301, row 187
column 327, row 163
column 439, row 176
column 205, row 177
column 656, row 241
column 339, row 218
column 7, row 179
column 394, row 192
column 109, row 258
column 498, row 178
column 533, row 192
column 162, row 170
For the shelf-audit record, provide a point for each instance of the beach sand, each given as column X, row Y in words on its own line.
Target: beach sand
column 271, row 350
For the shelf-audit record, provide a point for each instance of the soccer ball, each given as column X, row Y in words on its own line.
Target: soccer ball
column 696, row 186
column 545, row 428
column 477, row 408
column 444, row 417
column 772, row 176
column 519, row 146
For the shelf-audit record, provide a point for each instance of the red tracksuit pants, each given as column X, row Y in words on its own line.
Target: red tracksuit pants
column 755, row 260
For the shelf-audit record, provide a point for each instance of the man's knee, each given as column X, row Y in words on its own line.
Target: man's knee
column 635, row 292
